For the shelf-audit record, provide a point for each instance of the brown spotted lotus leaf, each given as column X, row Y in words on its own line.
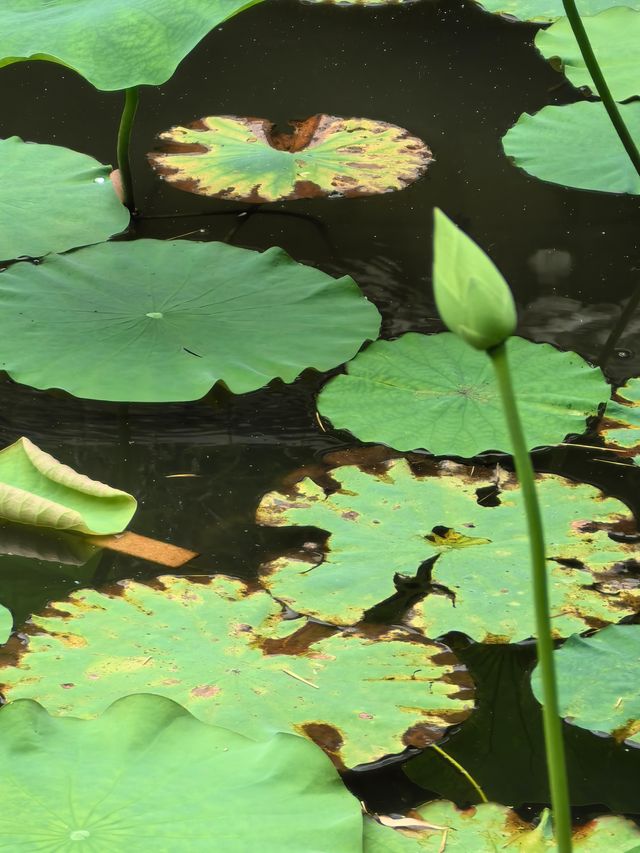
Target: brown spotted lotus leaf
column 392, row 519
column 620, row 426
column 244, row 159
column 218, row 650
column 489, row 827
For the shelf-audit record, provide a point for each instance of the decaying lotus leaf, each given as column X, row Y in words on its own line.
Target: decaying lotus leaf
column 244, row 159
column 597, row 682
column 620, row 426
column 392, row 519
column 148, row 776
column 218, row 650
column 37, row 489
column 489, row 827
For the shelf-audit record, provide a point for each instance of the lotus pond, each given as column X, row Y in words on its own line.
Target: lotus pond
column 299, row 616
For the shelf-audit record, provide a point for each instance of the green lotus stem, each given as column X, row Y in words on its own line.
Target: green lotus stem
column 550, row 712
column 462, row 771
column 580, row 33
column 124, row 138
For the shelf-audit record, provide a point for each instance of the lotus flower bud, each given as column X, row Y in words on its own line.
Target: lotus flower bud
column 472, row 297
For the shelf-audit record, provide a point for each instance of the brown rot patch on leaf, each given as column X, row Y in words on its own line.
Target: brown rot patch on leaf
column 627, row 731
column 327, row 737
column 205, row 691
column 298, row 642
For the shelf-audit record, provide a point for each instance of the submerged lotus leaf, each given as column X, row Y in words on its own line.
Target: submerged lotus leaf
column 394, row 519
column 577, row 146
column 490, row 827
column 207, row 644
column 245, row 160
column 146, row 775
column 154, row 320
column 544, row 11
column 53, row 199
column 436, row 392
column 604, row 697
column 37, row 489
column 614, row 35
column 114, row 45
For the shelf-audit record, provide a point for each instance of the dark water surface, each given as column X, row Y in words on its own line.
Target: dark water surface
column 458, row 78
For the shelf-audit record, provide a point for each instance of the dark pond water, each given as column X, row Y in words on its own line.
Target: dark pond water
column 458, row 78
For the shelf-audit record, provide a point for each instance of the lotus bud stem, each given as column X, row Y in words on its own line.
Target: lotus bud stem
column 124, row 139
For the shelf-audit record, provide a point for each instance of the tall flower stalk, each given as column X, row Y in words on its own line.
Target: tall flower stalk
column 475, row 302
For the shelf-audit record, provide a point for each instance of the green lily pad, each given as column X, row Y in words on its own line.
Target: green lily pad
column 155, row 320
column 490, row 827
column 37, row 489
column 545, row 11
column 394, row 519
column 53, row 199
column 218, row 651
column 436, row 392
column 605, row 697
column 244, row 159
column 577, row 146
column 147, row 776
column 614, row 35
column 114, row 45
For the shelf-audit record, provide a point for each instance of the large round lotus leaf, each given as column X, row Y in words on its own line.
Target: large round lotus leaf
column 6, row 623
column 245, row 160
column 53, row 199
column 37, row 489
column 211, row 646
column 155, row 320
column 436, row 392
column 115, row 44
column 489, row 827
column 576, row 145
column 148, row 776
column 543, row 11
column 598, row 682
column 393, row 520
column 614, row 35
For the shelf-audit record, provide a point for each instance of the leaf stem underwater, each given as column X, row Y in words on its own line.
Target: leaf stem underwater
column 550, row 713
column 462, row 771
column 131, row 97
column 580, row 33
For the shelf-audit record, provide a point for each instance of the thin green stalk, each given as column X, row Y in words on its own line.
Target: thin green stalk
column 124, row 138
column 462, row 771
column 551, row 717
column 600, row 83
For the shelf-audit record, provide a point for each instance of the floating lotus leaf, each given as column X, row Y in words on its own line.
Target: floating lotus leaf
column 392, row 521
column 364, row 2
column 147, row 776
column 604, row 696
column 208, row 645
column 576, row 145
column 614, row 35
column 114, row 45
column 53, row 199
column 245, row 160
column 155, row 320
column 6, row 623
column 544, row 11
column 489, row 827
column 620, row 426
column 37, row 489
column 436, row 392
